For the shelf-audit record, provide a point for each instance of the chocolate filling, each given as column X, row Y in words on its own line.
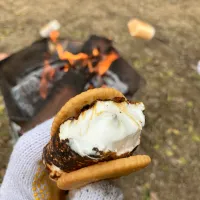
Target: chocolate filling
column 59, row 153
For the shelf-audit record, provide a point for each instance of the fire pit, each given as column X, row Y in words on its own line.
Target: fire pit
column 39, row 79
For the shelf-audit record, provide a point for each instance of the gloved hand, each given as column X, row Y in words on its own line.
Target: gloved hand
column 27, row 179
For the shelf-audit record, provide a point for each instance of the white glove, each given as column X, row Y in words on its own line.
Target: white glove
column 26, row 178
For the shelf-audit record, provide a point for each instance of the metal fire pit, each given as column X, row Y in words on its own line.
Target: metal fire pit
column 21, row 74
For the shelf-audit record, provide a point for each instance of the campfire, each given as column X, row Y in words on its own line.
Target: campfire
column 96, row 62
column 52, row 70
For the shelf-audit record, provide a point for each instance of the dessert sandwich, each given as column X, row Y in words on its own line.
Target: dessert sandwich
column 93, row 137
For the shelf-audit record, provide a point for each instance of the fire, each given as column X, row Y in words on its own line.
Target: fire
column 66, row 68
column 47, row 75
column 66, row 55
column 105, row 63
column 54, row 36
column 100, row 68
column 95, row 52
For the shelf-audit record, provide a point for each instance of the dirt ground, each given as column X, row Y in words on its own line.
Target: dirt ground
column 168, row 63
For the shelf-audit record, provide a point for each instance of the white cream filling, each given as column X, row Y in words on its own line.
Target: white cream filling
column 108, row 126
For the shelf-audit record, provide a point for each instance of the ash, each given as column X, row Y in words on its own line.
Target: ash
column 109, row 79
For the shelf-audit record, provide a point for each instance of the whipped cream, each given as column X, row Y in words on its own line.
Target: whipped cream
column 108, row 126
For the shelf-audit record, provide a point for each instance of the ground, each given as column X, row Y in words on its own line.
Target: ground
column 168, row 63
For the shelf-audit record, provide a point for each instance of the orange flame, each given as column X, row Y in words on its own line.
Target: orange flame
column 95, row 52
column 101, row 67
column 49, row 72
column 66, row 55
column 47, row 75
column 54, row 36
column 105, row 64
column 66, row 68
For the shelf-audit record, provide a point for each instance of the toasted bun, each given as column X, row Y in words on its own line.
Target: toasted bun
column 100, row 171
column 75, row 104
